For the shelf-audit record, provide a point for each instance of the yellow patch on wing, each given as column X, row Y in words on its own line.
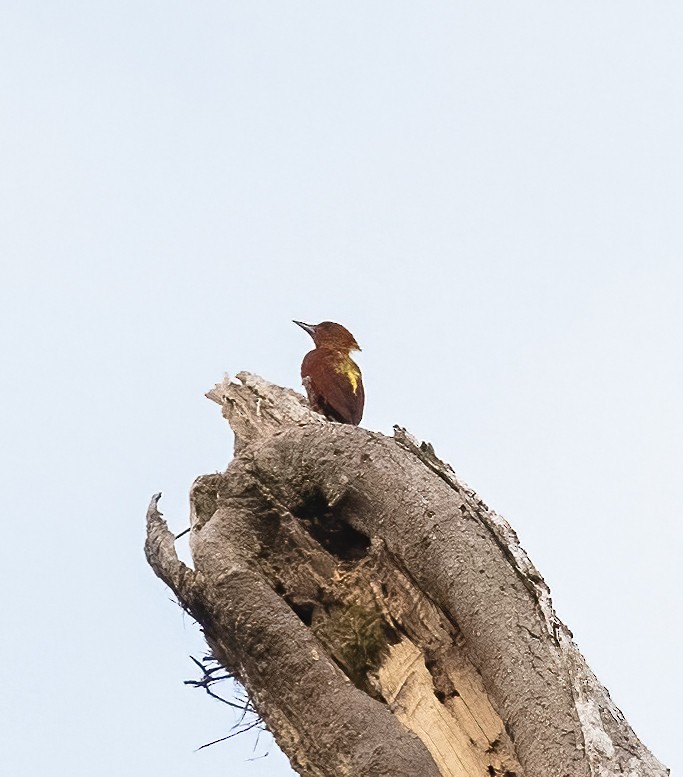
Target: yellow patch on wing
column 348, row 368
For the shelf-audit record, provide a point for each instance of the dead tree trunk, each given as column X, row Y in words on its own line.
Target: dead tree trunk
column 382, row 618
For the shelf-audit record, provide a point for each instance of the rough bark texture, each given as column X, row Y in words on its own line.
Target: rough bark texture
column 383, row 620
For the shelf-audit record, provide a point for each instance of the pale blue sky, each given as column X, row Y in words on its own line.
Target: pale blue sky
column 489, row 195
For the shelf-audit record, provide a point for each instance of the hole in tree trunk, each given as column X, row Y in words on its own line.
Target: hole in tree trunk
column 327, row 527
column 304, row 611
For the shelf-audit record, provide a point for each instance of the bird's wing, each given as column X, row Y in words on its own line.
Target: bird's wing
column 331, row 391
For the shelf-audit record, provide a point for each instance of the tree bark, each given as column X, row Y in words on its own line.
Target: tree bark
column 382, row 618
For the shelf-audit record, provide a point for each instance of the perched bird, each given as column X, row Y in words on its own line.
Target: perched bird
column 330, row 376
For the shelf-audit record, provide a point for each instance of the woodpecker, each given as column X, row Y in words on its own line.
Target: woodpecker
column 330, row 376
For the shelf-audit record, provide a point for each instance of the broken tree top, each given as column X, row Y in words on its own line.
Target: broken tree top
column 383, row 620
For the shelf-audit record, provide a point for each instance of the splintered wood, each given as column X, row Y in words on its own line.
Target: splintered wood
column 392, row 642
column 434, row 689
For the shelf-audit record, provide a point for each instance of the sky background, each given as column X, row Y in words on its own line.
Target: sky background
column 489, row 195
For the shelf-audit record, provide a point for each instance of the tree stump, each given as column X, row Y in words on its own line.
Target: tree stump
column 383, row 620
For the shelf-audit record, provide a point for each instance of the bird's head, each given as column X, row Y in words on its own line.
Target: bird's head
column 330, row 335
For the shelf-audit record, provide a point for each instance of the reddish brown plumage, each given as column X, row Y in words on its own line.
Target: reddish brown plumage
column 331, row 378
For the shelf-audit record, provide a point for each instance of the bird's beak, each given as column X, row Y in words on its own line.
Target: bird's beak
column 306, row 327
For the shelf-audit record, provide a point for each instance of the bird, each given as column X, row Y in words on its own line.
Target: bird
column 331, row 378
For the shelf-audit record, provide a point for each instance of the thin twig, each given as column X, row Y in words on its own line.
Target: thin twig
column 230, row 736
